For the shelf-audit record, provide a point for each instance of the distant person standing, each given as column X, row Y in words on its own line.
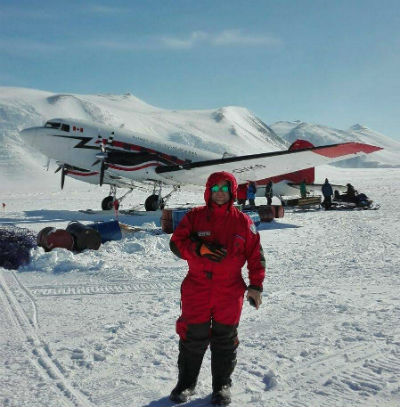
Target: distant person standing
column 251, row 193
column 242, row 194
column 327, row 192
column 303, row 189
column 269, row 193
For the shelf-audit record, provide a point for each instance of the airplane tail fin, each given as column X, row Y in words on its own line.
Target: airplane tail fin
column 308, row 174
column 296, row 177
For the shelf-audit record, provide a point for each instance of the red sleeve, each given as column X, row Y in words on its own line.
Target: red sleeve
column 181, row 244
column 254, row 256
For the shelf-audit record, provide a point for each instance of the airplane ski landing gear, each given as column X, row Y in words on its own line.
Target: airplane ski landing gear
column 154, row 202
column 107, row 203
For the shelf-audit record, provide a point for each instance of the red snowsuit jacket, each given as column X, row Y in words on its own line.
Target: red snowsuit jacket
column 213, row 289
column 242, row 191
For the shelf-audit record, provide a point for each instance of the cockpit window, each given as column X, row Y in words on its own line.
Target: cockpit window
column 52, row 125
column 56, row 125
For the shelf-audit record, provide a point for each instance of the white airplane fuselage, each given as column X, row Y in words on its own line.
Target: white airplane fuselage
column 78, row 143
column 100, row 154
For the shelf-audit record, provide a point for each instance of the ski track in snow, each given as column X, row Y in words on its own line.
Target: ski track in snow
column 97, row 329
column 41, row 356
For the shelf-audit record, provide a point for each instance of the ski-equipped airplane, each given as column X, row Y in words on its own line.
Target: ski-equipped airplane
column 102, row 155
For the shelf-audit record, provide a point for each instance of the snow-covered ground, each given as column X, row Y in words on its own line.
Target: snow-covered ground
column 97, row 328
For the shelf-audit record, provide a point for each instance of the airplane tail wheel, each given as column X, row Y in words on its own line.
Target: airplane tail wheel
column 107, row 203
column 152, row 204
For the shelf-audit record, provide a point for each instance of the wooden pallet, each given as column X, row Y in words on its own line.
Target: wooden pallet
column 309, row 201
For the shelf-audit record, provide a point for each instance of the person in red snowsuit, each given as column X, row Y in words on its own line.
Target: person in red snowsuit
column 216, row 240
column 242, row 194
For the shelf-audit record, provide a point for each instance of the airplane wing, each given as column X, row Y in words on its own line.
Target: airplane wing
column 260, row 166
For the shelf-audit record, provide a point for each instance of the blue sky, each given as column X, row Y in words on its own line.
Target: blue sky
column 332, row 62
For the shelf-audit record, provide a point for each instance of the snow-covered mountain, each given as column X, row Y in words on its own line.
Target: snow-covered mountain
column 231, row 129
column 320, row 135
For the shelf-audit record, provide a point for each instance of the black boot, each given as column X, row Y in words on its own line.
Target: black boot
column 224, row 342
column 189, row 364
column 181, row 393
column 223, row 363
column 221, row 397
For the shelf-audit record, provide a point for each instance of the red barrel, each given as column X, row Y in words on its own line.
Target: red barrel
column 49, row 238
column 166, row 221
column 266, row 212
column 279, row 211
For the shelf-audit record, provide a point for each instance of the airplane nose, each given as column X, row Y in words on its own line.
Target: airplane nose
column 29, row 136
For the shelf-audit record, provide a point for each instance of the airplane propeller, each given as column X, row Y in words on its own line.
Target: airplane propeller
column 103, row 168
column 63, row 173
column 103, row 155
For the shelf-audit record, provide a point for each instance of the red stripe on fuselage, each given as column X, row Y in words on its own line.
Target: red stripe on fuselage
column 81, row 174
column 307, row 175
column 117, row 167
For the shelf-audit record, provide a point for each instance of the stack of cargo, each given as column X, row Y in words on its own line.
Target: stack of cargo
column 78, row 237
column 171, row 217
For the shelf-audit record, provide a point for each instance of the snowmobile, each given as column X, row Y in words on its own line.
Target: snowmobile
column 358, row 201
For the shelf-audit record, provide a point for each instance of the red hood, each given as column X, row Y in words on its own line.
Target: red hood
column 217, row 177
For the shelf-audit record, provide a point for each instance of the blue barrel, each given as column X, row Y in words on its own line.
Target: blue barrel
column 177, row 216
column 254, row 216
column 108, row 230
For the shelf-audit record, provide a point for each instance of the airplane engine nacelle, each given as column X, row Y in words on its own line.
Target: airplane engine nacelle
column 145, row 171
